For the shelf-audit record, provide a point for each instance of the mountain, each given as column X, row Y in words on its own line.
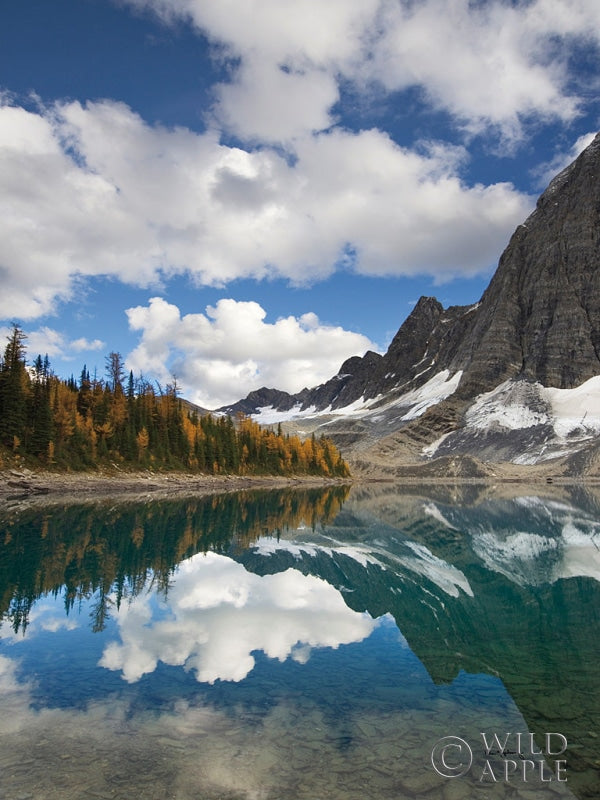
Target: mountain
column 514, row 378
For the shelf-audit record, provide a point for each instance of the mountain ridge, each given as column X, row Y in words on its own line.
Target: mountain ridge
column 537, row 325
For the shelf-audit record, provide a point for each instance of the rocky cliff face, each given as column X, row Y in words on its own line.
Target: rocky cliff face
column 538, row 323
column 540, row 316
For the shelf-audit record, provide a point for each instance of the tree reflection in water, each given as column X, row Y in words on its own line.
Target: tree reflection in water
column 102, row 551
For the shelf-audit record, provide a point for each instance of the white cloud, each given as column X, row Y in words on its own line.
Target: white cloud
column 50, row 209
column 94, row 190
column 78, row 345
column 220, row 356
column 218, row 614
column 491, row 64
column 288, row 58
column 45, row 340
column 406, row 212
column 48, row 341
column 271, row 104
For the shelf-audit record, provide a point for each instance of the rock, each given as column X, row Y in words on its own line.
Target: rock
column 19, row 484
column 540, row 316
column 422, row 782
column 457, row 790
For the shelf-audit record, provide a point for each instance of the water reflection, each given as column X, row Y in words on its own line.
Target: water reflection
column 250, row 646
column 217, row 614
column 110, row 552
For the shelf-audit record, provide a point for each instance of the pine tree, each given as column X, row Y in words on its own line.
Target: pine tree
column 40, row 412
column 115, row 371
column 84, row 400
column 13, row 383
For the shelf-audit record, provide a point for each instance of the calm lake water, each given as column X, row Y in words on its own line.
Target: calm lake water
column 369, row 645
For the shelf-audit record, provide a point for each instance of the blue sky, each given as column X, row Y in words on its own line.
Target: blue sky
column 246, row 193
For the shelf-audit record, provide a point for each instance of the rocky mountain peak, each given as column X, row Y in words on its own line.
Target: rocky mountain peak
column 355, row 364
column 540, row 316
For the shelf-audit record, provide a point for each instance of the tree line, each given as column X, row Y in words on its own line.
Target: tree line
column 119, row 419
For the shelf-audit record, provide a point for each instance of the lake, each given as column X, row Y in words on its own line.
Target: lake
column 369, row 643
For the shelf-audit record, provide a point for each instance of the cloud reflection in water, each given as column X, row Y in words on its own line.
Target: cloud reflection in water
column 217, row 614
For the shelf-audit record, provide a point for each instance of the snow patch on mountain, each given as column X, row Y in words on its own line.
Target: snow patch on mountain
column 438, row 388
column 577, row 408
column 536, row 422
column 508, row 406
column 520, row 404
column 267, row 415
column 409, row 405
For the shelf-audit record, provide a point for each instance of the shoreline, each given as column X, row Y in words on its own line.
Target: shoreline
column 23, row 486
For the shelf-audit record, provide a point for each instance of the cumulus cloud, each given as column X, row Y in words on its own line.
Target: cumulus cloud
column 271, row 104
column 287, row 56
column 92, row 189
column 218, row 614
column 222, row 355
column 48, row 341
column 78, row 345
column 405, row 211
column 490, row 65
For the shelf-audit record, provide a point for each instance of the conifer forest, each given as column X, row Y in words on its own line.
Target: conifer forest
column 120, row 420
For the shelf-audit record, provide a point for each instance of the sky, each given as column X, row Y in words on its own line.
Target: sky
column 244, row 193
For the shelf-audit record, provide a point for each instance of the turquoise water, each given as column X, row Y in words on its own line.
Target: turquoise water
column 302, row 644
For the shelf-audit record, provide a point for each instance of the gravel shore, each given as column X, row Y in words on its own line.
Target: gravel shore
column 44, row 487
column 20, row 487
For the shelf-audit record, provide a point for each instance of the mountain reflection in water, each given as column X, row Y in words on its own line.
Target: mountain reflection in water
column 297, row 643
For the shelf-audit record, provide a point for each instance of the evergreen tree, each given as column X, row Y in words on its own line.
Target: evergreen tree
column 115, row 371
column 13, row 383
column 40, row 412
column 84, row 400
